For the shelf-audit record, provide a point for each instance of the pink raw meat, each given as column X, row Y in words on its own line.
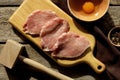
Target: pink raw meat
column 70, row 45
column 51, row 32
column 55, row 35
column 37, row 20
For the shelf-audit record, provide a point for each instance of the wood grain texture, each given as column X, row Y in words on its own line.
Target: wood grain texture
column 26, row 9
column 23, row 72
column 6, row 30
column 10, row 2
column 115, row 2
column 114, row 12
column 18, row 2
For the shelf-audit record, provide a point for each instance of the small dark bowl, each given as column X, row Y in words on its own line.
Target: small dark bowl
column 114, row 36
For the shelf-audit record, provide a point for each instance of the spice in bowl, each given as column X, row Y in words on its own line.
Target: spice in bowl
column 114, row 36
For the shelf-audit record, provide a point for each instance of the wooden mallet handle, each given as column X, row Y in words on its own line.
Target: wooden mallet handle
column 44, row 69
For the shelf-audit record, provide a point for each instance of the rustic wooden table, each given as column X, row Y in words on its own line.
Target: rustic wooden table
column 24, row 72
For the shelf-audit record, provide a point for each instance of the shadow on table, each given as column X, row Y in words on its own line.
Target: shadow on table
column 22, row 71
column 25, row 72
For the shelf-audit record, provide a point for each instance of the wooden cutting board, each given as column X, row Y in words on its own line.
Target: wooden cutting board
column 28, row 6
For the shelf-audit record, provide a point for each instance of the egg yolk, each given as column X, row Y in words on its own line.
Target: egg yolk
column 88, row 7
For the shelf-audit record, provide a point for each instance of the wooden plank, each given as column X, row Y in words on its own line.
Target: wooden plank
column 10, row 2
column 3, row 73
column 6, row 30
column 114, row 12
column 115, row 2
column 18, row 2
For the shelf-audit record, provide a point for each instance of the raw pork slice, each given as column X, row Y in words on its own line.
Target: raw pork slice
column 36, row 20
column 51, row 32
column 70, row 45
